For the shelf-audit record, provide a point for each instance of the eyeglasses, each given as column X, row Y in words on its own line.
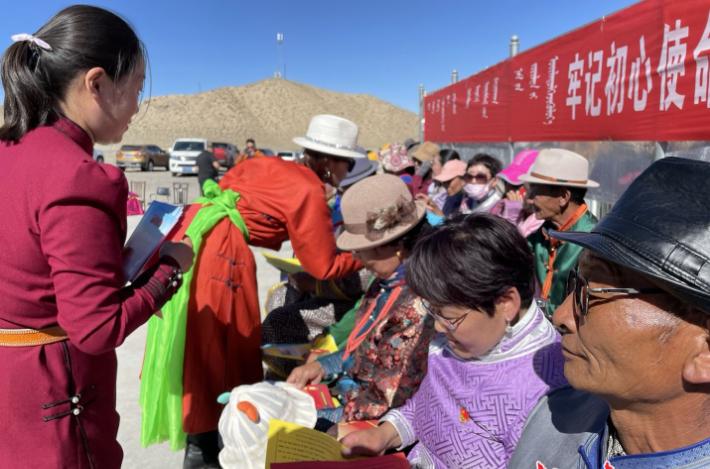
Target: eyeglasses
column 450, row 324
column 578, row 286
column 480, row 178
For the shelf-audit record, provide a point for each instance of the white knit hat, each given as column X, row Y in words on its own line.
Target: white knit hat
column 245, row 439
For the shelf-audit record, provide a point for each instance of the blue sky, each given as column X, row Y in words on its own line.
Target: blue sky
column 383, row 48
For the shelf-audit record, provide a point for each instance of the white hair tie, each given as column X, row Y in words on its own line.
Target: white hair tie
column 29, row 37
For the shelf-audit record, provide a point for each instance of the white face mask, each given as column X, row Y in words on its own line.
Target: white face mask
column 476, row 191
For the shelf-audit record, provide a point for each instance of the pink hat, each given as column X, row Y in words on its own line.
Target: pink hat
column 520, row 165
column 451, row 169
column 394, row 158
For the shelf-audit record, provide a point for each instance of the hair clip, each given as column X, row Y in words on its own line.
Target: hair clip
column 30, row 38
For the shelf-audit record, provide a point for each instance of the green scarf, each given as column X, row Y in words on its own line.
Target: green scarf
column 161, row 381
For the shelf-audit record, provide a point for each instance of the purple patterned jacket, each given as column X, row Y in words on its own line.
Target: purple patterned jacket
column 470, row 413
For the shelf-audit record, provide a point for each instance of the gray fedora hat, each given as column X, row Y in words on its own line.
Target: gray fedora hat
column 660, row 227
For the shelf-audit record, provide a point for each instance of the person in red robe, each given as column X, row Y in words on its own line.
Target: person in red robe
column 64, row 306
column 278, row 200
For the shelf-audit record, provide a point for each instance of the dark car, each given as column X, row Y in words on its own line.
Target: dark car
column 144, row 157
column 225, row 153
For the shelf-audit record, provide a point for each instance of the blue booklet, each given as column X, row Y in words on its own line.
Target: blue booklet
column 157, row 222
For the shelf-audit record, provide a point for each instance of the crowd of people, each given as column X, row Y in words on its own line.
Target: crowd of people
column 479, row 314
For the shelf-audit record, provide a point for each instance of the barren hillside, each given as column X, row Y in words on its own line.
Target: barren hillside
column 271, row 111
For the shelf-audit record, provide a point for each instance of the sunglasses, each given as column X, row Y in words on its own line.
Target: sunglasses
column 480, row 178
column 450, row 324
column 578, row 287
column 320, row 155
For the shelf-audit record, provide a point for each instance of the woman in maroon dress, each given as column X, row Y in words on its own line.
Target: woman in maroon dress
column 63, row 305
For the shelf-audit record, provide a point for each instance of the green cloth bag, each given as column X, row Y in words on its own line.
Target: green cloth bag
column 161, row 381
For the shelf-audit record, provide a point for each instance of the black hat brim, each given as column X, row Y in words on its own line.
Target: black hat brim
column 615, row 252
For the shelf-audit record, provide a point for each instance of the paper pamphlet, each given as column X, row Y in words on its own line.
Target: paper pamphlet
column 290, row 265
column 297, row 352
column 289, row 442
column 292, row 446
column 157, row 222
column 390, row 461
column 321, row 396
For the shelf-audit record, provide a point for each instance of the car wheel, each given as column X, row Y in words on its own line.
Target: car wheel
column 177, row 175
column 99, row 159
column 151, row 165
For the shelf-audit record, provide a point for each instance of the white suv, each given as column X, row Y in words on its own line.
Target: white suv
column 183, row 155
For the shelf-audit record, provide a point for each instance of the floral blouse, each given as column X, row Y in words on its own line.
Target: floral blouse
column 387, row 366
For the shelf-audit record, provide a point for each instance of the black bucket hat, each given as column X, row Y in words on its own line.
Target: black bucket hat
column 660, row 227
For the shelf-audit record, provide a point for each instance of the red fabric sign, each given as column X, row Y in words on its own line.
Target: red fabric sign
column 640, row 74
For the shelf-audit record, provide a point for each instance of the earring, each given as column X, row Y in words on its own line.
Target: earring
column 508, row 330
column 327, row 174
column 399, row 255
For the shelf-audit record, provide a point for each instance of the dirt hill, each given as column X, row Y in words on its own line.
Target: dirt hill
column 271, row 111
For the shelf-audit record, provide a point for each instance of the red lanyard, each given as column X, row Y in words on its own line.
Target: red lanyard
column 355, row 339
column 576, row 216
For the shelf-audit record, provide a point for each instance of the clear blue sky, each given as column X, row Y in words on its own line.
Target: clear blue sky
column 383, row 48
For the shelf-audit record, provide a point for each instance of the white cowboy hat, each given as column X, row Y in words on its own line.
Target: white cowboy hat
column 558, row 167
column 332, row 135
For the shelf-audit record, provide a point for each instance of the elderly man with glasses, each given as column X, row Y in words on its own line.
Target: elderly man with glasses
column 635, row 335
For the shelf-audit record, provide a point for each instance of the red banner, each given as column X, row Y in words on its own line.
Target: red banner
column 640, row 74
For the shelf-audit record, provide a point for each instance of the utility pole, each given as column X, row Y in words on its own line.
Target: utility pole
column 280, row 66
column 422, row 95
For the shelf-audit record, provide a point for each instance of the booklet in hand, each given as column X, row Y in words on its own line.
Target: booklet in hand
column 151, row 232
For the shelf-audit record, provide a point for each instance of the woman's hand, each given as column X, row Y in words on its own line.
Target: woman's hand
column 514, row 195
column 372, row 442
column 180, row 251
column 311, row 373
column 430, row 205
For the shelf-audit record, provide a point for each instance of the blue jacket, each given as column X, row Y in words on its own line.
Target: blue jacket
column 568, row 430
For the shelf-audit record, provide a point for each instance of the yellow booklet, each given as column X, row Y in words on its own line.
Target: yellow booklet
column 289, row 442
column 290, row 265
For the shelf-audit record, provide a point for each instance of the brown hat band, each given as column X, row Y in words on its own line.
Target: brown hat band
column 554, row 179
column 379, row 221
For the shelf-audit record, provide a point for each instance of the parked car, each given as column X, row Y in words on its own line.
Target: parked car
column 290, row 155
column 98, row 156
column 144, row 157
column 225, row 153
column 267, row 151
column 183, row 155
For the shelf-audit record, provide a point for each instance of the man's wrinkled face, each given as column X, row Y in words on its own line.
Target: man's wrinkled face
column 628, row 347
column 545, row 200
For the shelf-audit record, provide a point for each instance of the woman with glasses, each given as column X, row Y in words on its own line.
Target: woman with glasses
column 495, row 357
column 385, row 356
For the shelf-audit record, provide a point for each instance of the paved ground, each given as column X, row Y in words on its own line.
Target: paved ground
column 130, row 354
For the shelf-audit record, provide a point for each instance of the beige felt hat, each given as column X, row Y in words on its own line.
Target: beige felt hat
column 332, row 135
column 558, row 167
column 426, row 151
column 377, row 210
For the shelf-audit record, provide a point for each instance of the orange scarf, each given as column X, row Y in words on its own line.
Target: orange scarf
column 357, row 336
column 554, row 244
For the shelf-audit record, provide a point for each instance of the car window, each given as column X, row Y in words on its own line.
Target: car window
column 189, row 146
column 130, row 147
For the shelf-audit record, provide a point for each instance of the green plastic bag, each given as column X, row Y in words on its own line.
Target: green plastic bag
column 161, row 381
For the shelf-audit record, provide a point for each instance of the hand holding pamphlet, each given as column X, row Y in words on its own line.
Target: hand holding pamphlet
column 155, row 226
column 292, row 446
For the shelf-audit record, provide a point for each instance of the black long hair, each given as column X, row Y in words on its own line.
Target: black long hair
column 470, row 261
column 36, row 80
